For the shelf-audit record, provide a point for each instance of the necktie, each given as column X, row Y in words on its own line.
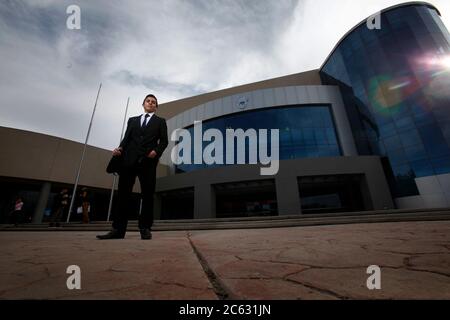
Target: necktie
column 144, row 123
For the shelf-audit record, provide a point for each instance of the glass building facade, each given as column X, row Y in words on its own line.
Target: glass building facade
column 395, row 82
column 305, row 131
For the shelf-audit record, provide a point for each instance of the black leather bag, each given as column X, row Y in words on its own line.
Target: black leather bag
column 115, row 164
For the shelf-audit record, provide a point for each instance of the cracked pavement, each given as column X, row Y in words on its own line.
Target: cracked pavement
column 318, row 262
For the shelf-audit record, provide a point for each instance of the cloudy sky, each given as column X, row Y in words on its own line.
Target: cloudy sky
column 49, row 75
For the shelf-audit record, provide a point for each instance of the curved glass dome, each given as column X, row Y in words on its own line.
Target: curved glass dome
column 395, row 83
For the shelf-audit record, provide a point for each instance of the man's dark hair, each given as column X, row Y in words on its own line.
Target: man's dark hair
column 153, row 96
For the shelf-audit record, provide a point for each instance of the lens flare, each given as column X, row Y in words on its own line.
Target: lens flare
column 431, row 74
column 387, row 93
column 439, row 86
column 434, row 62
column 446, row 62
column 436, row 82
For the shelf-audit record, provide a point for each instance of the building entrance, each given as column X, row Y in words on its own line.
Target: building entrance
column 246, row 199
column 328, row 194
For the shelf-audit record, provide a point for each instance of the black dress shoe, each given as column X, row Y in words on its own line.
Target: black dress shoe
column 146, row 234
column 113, row 234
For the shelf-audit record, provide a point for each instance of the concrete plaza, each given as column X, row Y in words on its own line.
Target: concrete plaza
column 307, row 262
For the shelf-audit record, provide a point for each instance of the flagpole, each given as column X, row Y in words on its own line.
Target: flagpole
column 82, row 157
column 115, row 175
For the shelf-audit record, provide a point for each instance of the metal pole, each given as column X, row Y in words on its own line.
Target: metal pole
column 115, row 176
column 82, row 157
column 111, row 197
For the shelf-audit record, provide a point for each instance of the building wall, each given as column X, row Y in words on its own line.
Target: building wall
column 434, row 191
column 395, row 89
column 171, row 109
column 268, row 98
column 42, row 157
column 288, row 196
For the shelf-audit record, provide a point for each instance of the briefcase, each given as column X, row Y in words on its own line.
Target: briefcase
column 115, row 164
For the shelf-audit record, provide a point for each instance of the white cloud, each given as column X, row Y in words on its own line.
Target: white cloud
column 49, row 75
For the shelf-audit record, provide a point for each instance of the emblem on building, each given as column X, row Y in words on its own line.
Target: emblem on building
column 242, row 102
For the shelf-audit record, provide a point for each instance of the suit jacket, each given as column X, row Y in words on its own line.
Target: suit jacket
column 138, row 142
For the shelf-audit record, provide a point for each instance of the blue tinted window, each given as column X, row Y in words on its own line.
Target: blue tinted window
column 387, row 129
column 405, row 123
column 397, row 156
column 304, row 131
column 446, row 131
column 441, row 165
column 320, row 135
column 410, row 138
column 436, row 144
column 422, row 168
column 416, row 152
column 392, row 143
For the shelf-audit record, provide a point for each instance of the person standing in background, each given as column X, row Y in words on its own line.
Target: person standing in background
column 17, row 214
column 62, row 201
column 85, row 204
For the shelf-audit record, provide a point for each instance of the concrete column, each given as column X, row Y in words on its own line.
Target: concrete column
column 42, row 203
column 204, row 202
column 288, row 198
column 342, row 124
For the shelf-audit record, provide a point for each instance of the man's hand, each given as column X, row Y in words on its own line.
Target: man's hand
column 117, row 152
column 152, row 154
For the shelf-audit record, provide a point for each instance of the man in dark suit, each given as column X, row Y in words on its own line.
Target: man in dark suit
column 143, row 144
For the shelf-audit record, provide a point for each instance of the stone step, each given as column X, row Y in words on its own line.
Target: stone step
column 253, row 222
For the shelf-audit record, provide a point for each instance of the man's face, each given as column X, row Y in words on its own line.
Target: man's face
column 150, row 104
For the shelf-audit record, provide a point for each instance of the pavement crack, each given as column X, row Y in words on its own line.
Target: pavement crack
column 177, row 284
column 47, row 272
column 91, row 292
column 407, row 261
column 311, row 266
column 430, row 271
column 321, row 290
column 24, row 285
column 251, row 278
column 219, row 288
column 417, row 270
column 295, row 272
column 409, row 253
column 34, row 263
column 112, row 269
column 116, row 266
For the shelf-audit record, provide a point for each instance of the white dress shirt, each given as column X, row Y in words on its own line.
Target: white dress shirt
column 148, row 119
